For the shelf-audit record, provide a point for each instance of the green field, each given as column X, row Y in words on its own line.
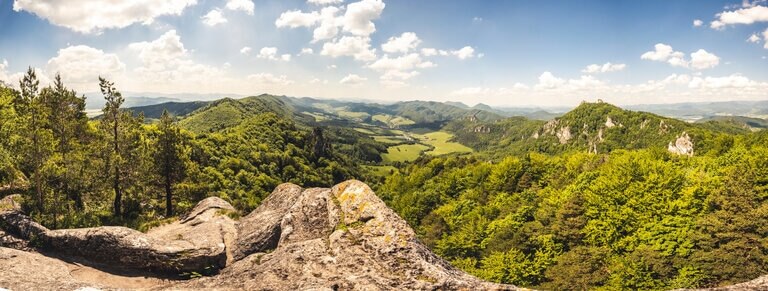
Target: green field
column 388, row 139
column 318, row 117
column 392, row 121
column 439, row 140
column 403, row 153
column 381, row 170
column 360, row 116
column 364, row 131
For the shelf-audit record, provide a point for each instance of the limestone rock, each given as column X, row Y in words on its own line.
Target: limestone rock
column 196, row 243
column 609, row 122
column 682, row 145
column 564, row 134
column 32, row 271
column 340, row 238
column 260, row 230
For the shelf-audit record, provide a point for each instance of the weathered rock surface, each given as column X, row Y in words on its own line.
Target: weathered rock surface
column 31, row 271
column 682, row 145
column 196, row 243
column 340, row 238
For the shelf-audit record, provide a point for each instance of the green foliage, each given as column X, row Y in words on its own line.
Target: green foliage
column 637, row 220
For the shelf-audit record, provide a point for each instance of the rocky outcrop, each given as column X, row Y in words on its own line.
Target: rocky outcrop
column 194, row 244
column 340, row 238
column 564, row 135
column 682, row 145
column 343, row 238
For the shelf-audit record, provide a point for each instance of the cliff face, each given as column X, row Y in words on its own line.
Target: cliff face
column 341, row 238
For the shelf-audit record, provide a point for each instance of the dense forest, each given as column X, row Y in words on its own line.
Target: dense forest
column 589, row 200
column 118, row 169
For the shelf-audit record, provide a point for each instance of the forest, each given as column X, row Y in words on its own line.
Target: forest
column 533, row 212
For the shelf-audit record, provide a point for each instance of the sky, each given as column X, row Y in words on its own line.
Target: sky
column 497, row 52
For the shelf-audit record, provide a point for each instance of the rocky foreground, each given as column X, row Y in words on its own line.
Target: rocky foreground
column 342, row 238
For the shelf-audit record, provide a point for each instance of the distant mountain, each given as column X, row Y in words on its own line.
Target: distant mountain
column 594, row 127
column 739, row 121
column 696, row 111
column 177, row 109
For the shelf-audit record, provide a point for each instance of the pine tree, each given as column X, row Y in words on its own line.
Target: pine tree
column 35, row 115
column 169, row 158
column 112, row 123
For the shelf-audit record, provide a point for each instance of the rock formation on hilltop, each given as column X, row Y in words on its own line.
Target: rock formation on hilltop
column 342, row 238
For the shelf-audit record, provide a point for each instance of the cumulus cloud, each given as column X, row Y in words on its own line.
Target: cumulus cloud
column 82, row 65
column 352, row 79
column 604, row 68
column 464, row 53
column 747, row 15
column 242, row 5
column 306, row 51
column 548, row 81
column 167, row 64
column 357, row 47
column 324, row 2
column 732, row 81
column 359, row 16
column 93, row 16
column 753, row 38
column 245, row 50
column 267, row 79
column 296, row 18
column 702, row 59
column 400, row 68
column 329, row 24
column 401, row 44
column 270, row 53
column 214, row 17
column 697, row 22
column 428, row 52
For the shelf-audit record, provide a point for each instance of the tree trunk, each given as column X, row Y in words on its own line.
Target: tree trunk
column 168, row 196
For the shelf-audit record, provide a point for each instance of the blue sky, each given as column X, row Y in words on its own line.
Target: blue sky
column 512, row 53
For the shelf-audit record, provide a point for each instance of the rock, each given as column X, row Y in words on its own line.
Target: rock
column 260, row 230
column 340, row 238
column 564, row 134
column 32, row 271
column 609, row 123
column 761, row 283
column 10, row 203
column 682, row 145
column 195, row 244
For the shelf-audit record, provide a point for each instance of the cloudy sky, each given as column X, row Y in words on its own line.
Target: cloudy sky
column 498, row 52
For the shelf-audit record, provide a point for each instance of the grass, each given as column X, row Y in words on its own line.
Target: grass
column 381, row 170
column 388, row 139
column 352, row 115
column 364, row 131
column 440, row 140
column 318, row 117
column 392, row 121
column 403, row 153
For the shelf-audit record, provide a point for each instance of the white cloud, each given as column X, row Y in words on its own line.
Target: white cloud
column 359, row 16
column 753, row 38
column 604, row 68
column 702, row 59
column 213, row 17
column 401, row 63
column 296, row 18
column 732, row 81
column 324, row 2
column 354, row 46
column 243, row 5
column 167, row 64
column 306, row 51
column 402, row 44
column 93, row 16
column 765, row 38
column 746, row 15
column 331, row 67
column 399, row 75
column 548, row 81
column 245, row 50
column 266, row 79
column 270, row 53
column 477, row 19
column 661, row 53
column 353, row 79
column 428, row 52
column 329, row 24
column 83, row 64
column 464, row 53
column 697, row 22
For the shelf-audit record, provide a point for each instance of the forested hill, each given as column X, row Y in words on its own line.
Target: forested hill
column 594, row 127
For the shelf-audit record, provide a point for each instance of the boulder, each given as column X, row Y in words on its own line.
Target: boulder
column 198, row 243
column 340, row 238
column 32, row 271
column 260, row 230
